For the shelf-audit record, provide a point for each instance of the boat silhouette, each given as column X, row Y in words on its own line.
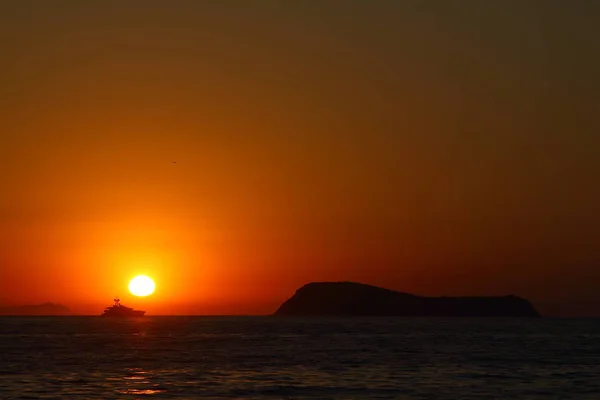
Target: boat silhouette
column 119, row 310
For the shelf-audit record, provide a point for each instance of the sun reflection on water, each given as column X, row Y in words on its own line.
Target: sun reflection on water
column 139, row 382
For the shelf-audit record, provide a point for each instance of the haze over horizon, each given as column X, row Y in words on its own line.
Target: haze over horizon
column 235, row 151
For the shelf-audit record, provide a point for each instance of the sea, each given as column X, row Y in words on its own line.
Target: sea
column 298, row 358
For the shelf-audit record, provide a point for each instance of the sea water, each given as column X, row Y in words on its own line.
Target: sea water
column 298, row 358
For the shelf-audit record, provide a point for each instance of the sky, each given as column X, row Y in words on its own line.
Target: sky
column 236, row 150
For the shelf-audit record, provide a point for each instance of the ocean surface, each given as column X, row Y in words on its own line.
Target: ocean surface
column 287, row 358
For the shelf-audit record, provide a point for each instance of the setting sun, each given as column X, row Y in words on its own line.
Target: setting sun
column 141, row 286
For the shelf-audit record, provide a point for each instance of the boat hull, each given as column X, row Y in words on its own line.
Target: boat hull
column 135, row 313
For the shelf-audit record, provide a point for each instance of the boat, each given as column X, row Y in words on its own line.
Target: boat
column 119, row 310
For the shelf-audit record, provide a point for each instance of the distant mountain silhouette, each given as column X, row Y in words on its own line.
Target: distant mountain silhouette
column 356, row 299
column 40, row 309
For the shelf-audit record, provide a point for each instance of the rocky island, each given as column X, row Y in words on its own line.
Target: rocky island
column 48, row 309
column 356, row 299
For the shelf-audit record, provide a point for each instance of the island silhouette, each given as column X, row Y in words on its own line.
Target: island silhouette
column 357, row 299
column 49, row 309
column 345, row 299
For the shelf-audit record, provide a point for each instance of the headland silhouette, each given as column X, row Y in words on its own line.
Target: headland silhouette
column 356, row 299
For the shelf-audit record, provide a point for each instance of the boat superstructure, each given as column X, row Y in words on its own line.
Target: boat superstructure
column 119, row 310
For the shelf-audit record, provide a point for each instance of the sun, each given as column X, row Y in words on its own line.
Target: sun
column 141, row 286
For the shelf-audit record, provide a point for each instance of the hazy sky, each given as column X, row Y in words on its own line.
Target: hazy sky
column 435, row 147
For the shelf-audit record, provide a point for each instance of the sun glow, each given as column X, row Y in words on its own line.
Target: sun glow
column 141, row 286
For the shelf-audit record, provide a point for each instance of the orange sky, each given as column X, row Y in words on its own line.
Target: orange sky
column 432, row 149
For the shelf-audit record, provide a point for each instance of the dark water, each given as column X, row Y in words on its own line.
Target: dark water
column 264, row 357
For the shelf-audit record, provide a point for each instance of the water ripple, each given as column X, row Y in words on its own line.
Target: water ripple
column 252, row 358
